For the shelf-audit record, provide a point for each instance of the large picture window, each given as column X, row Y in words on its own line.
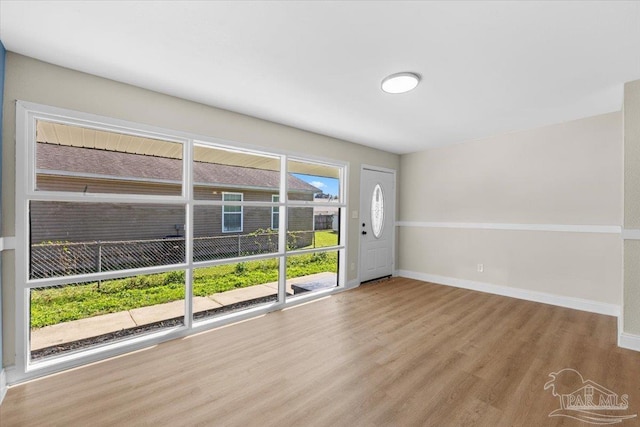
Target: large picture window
column 129, row 235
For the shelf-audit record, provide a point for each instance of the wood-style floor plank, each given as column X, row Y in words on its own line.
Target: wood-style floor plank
column 395, row 353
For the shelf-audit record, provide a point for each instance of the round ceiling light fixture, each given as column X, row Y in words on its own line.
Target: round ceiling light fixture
column 400, row 82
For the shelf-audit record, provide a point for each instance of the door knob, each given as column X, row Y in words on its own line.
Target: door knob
column 364, row 232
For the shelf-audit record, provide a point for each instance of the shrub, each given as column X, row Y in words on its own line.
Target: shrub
column 174, row 277
column 319, row 257
column 240, row 268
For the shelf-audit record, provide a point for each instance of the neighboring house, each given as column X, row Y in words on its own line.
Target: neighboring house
column 67, row 168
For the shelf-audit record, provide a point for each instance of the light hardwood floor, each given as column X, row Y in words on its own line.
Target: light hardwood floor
column 395, row 353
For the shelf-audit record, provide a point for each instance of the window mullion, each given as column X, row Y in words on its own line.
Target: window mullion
column 188, row 234
column 105, row 275
column 282, row 231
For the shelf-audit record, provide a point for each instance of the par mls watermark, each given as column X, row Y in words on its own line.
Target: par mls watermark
column 586, row 400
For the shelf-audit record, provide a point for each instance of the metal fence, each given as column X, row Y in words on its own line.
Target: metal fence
column 55, row 259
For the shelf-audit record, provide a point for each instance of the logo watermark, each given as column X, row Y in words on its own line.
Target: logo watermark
column 586, row 400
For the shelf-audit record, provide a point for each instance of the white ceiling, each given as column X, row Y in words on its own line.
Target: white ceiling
column 487, row 67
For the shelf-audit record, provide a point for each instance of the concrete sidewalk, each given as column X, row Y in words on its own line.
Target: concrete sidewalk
column 74, row 330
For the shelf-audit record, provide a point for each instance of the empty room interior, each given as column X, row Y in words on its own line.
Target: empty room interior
column 320, row 213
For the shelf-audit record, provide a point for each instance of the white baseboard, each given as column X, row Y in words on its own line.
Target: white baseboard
column 525, row 294
column 629, row 341
column 352, row 284
column 3, row 385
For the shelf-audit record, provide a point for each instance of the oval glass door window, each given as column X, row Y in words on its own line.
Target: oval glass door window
column 377, row 211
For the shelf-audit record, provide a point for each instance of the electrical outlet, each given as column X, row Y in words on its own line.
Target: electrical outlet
column 480, row 268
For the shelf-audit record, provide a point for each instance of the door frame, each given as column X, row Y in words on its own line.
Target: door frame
column 364, row 166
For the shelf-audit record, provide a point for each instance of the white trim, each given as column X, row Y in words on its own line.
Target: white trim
column 351, row 284
column 631, row 234
column 24, row 162
column 343, row 226
column 11, row 373
column 187, row 192
column 524, row 294
column 283, row 219
column 377, row 168
column 567, row 228
column 620, row 327
column 629, row 341
column 3, row 385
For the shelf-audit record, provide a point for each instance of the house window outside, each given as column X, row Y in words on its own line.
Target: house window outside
column 232, row 215
column 275, row 212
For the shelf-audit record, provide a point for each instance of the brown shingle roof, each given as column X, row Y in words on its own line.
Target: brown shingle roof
column 51, row 158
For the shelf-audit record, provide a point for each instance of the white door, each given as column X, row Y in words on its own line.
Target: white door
column 377, row 223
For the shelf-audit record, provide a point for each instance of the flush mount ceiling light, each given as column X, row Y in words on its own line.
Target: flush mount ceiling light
column 400, row 82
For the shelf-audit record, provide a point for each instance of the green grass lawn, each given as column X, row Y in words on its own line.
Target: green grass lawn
column 326, row 238
column 50, row 306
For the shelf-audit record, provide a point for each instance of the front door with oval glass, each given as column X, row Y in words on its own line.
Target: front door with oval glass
column 377, row 202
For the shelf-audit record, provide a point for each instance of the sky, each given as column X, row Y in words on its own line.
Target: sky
column 327, row 185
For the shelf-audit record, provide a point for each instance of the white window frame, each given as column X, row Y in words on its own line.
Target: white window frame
column 27, row 113
column 275, row 210
column 232, row 203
